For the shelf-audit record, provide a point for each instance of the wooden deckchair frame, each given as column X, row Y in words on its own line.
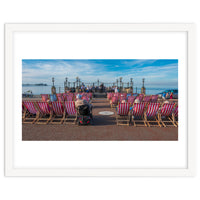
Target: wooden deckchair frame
column 167, row 122
column 123, row 118
column 41, row 119
column 28, row 117
column 137, row 122
column 54, row 119
column 151, row 120
column 70, row 119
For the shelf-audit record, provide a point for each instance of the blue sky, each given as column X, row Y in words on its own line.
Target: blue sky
column 157, row 72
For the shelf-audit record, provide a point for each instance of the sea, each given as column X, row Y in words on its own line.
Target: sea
column 37, row 90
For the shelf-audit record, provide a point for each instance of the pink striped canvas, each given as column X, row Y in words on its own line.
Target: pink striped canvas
column 167, row 109
column 123, row 109
column 154, row 98
column 138, row 109
column 57, row 107
column 70, row 107
column 43, row 107
column 114, row 100
column 30, row 107
column 176, row 111
column 44, row 97
column 69, row 98
column 152, row 109
column 131, row 99
column 146, row 98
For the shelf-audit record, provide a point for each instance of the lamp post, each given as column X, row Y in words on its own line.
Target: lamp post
column 66, row 84
column 143, row 90
column 120, row 82
column 53, row 88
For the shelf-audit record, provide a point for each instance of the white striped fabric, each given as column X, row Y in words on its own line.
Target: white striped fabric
column 152, row 109
column 57, row 107
column 131, row 99
column 43, row 107
column 123, row 109
column 167, row 109
column 30, row 107
column 70, row 107
column 44, row 97
column 138, row 109
column 69, row 98
column 176, row 111
column 114, row 100
column 146, row 98
column 154, row 98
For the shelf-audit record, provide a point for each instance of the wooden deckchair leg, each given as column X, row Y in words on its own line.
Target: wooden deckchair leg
column 63, row 118
column 36, row 118
column 50, row 117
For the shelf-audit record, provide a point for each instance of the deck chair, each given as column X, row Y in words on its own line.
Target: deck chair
column 58, row 112
column 46, row 113
column 175, row 116
column 131, row 100
column 71, row 114
column 32, row 114
column 164, row 116
column 138, row 114
column 59, row 97
column 122, row 98
column 69, row 98
column 154, row 98
column 114, row 101
column 123, row 114
column 140, row 97
column 146, row 99
column 24, row 110
column 150, row 116
column 45, row 97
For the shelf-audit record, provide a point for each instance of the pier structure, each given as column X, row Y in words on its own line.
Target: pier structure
column 98, row 86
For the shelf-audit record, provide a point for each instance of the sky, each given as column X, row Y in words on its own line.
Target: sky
column 157, row 72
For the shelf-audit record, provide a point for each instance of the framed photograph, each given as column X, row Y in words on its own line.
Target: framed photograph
column 99, row 100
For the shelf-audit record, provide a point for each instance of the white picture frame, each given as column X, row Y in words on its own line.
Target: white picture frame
column 10, row 170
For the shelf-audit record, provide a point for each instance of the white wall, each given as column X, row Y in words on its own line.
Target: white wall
column 104, row 11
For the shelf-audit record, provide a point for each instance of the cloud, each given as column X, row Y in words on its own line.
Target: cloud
column 154, row 71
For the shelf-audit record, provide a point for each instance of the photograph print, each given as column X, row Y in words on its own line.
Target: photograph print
column 100, row 99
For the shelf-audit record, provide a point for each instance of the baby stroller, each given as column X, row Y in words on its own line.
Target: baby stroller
column 84, row 115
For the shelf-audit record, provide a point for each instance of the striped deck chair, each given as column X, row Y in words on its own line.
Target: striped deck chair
column 138, row 114
column 69, row 98
column 65, row 96
column 140, row 97
column 154, row 98
column 32, row 114
column 175, row 116
column 146, row 99
column 114, row 102
column 71, row 113
column 58, row 113
column 131, row 100
column 45, row 97
column 150, row 116
column 123, row 114
column 45, row 112
column 164, row 116
column 60, row 97
column 24, row 110
column 121, row 98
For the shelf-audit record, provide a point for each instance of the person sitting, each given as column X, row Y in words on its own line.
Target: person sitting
column 79, row 102
column 171, row 95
